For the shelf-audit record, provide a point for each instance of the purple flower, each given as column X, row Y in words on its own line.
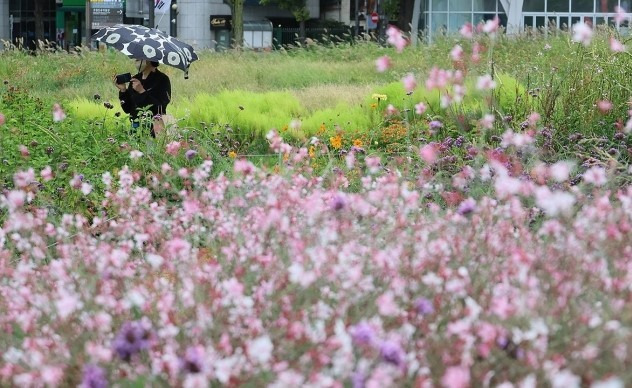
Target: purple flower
column 338, row 202
column 362, row 334
column 131, row 339
column 190, row 154
column 435, row 124
column 192, row 361
column 93, row 377
column 424, row 306
column 358, row 380
column 392, row 353
column 467, row 206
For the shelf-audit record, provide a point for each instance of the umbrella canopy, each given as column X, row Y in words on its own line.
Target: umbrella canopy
column 151, row 44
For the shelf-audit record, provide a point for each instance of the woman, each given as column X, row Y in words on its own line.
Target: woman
column 149, row 90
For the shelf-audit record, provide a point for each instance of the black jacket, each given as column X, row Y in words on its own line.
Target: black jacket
column 156, row 97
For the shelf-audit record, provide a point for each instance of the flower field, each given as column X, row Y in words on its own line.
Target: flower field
column 417, row 253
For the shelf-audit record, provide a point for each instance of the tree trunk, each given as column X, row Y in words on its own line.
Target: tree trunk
column 405, row 17
column 39, row 21
column 301, row 31
column 238, row 23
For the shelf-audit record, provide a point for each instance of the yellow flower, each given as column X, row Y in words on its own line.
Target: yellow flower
column 284, row 128
column 312, row 151
column 286, row 157
column 336, row 141
column 374, row 105
column 357, row 143
column 379, row 97
column 322, row 129
column 232, row 154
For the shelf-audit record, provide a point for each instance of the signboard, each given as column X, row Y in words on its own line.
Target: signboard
column 375, row 17
column 106, row 13
column 220, row 22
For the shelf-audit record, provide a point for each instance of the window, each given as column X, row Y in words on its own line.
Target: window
column 457, row 20
column 484, row 5
column 557, row 5
column 460, row 5
column 582, row 5
column 440, row 5
column 439, row 22
column 533, row 6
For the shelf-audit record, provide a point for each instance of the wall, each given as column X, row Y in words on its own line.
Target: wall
column 5, row 32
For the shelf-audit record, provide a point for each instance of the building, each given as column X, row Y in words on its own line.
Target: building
column 207, row 23
column 447, row 16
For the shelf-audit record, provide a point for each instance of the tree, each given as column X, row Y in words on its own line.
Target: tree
column 237, row 28
column 39, row 19
column 298, row 8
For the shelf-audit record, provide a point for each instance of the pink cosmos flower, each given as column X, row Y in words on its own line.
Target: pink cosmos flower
column 396, row 38
column 596, row 175
column 47, row 173
column 467, row 30
column 391, row 110
column 24, row 151
column 582, row 33
column 487, row 121
column 420, row 108
column 383, row 63
column 244, row 167
column 2, row 119
column 620, row 15
column 86, row 188
column 409, row 82
column 173, row 147
column 429, row 153
column 485, row 82
column 604, row 106
column 22, row 179
column 616, row 46
column 491, row 26
column 476, row 52
column 457, row 53
column 456, row 377
column 58, row 113
column 560, row 171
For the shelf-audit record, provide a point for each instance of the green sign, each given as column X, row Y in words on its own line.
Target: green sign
column 74, row 3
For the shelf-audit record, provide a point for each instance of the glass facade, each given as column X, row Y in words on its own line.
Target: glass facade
column 23, row 28
column 565, row 13
column 448, row 16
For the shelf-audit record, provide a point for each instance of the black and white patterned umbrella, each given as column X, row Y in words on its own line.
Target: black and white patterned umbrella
column 140, row 42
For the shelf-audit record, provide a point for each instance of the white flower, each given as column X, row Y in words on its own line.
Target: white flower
column 260, row 349
column 560, row 171
column 596, row 175
column 155, row 260
column 612, row 382
column 135, row 154
column 582, row 33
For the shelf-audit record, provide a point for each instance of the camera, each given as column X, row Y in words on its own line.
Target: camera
column 123, row 78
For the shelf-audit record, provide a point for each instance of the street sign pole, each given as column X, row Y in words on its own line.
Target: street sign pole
column 88, row 23
column 357, row 19
column 152, row 13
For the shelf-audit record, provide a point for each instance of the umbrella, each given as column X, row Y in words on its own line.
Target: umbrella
column 151, row 44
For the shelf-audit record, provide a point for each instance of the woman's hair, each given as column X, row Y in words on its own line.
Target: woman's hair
column 155, row 64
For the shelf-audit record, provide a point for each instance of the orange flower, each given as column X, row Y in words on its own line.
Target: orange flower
column 357, row 143
column 312, row 151
column 232, row 154
column 322, row 129
column 336, row 141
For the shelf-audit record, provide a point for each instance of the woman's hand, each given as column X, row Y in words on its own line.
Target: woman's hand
column 137, row 86
column 121, row 87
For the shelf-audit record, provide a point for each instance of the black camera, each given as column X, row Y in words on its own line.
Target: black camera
column 123, row 78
